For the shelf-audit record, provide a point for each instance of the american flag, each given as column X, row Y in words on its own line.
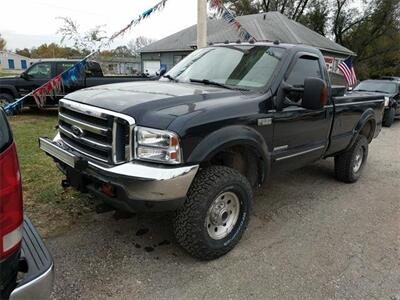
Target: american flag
column 346, row 67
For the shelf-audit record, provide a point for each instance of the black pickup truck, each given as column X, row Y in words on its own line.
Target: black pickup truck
column 199, row 140
column 41, row 72
column 390, row 88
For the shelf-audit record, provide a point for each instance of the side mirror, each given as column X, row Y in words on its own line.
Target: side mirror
column 283, row 90
column 315, row 93
column 24, row 75
column 350, row 88
column 281, row 100
column 162, row 72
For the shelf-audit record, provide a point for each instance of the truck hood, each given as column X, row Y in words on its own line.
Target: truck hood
column 154, row 103
column 8, row 79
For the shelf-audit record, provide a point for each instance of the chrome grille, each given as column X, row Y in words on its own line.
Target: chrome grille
column 96, row 133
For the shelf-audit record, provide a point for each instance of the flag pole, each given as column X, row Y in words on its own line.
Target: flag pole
column 201, row 23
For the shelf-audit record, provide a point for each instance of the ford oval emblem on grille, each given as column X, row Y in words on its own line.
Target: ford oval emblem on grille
column 77, row 131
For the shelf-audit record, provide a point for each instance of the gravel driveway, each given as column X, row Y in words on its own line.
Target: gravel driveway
column 310, row 237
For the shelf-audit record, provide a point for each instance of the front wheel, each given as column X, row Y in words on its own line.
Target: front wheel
column 349, row 165
column 215, row 214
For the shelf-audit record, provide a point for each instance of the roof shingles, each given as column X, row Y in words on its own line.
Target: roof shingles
column 269, row 26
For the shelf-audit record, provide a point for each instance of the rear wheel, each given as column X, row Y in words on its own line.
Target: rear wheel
column 388, row 117
column 215, row 214
column 349, row 165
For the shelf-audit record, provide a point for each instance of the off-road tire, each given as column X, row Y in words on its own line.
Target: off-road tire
column 190, row 221
column 345, row 162
column 388, row 117
column 7, row 97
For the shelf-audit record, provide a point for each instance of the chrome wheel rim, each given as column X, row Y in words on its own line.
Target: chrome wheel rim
column 358, row 160
column 222, row 215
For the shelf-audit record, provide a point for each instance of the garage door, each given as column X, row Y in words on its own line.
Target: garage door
column 151, row 66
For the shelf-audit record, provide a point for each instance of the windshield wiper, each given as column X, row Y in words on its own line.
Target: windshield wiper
column 170, row 77
column 377, row 91
column 210, row 82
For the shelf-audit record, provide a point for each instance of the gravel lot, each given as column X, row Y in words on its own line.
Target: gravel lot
column 310, row 237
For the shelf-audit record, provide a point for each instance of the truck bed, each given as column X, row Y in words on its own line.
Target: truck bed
column 349, row 112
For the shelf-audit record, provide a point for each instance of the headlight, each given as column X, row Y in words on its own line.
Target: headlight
column 387, row 101
column 157, row 145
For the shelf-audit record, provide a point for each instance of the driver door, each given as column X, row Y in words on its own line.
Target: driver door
column 300, row 135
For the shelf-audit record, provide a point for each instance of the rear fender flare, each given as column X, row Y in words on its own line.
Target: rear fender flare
column 367, row 116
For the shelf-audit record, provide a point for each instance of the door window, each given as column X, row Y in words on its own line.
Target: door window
column 40, row 71
column 62, row 66
column 304, row 67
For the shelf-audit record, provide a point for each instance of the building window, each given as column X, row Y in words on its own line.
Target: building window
column 178, row 58
column 24, row 65
column 11, row 64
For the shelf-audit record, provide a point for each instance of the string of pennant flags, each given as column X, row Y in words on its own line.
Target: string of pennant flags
column 159, row 6
column 228, row 17
column 70, row 76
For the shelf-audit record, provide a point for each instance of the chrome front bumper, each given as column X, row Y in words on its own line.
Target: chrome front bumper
column 140, row 181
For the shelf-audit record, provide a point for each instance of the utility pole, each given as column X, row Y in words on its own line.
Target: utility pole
column 201, row 23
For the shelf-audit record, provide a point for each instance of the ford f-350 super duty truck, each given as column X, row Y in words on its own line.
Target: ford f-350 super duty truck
column 208, row 133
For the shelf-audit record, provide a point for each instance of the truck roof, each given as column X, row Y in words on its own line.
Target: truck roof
column 270, row 44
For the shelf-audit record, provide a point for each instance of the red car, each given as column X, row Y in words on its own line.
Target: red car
column 26, row 266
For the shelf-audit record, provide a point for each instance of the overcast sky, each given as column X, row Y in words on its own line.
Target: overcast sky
column 29, row 23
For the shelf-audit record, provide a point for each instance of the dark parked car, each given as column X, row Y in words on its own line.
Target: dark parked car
column 390, row 87
column 26, row 267
column 41, row 72
column 221, row 122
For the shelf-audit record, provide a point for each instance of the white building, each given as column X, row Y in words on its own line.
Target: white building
column 13, row 61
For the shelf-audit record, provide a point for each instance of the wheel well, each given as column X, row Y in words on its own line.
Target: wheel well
column 6, row 91
column 368, row 130
column 244, row 159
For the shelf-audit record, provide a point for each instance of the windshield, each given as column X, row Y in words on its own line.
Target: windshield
column 248, row 67
column 376, row 86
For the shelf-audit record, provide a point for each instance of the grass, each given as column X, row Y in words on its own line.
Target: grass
column 3, row 73
column 50, row 207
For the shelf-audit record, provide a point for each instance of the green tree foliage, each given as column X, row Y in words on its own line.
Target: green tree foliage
column 50, row 51
column 317, row 17
column 376, row 40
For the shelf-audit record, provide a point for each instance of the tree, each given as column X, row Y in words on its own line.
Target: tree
column 292, row 9
column 138, row 43
column 376, row 40
column 317, row 17
column 24, row 52
column 123, row 51
column 88, row 41
column 3, row 43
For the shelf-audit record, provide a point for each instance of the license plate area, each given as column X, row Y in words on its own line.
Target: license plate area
column 60, row 153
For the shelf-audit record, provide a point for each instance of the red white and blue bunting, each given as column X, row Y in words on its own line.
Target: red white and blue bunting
column 228, row 17
column 159, row 6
